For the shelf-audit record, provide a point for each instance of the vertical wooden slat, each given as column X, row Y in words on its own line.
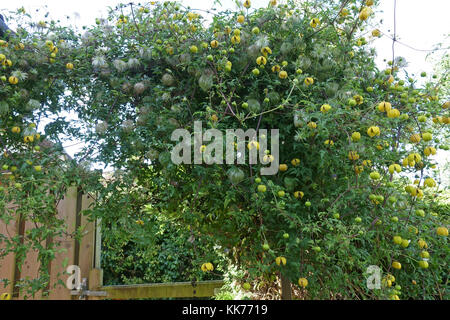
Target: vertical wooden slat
column 95, row 282
column 87, row 245
column 67, row 211
column 20, row 224
column 98, row 244
column 30, row 267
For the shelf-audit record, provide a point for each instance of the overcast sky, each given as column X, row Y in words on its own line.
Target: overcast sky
column 419, row 24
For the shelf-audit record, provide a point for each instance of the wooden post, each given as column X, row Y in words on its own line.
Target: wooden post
column 95, row 282
column 286, row 291
column 98, row 243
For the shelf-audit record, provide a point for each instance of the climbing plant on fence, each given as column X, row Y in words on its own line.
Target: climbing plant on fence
column 351, row 137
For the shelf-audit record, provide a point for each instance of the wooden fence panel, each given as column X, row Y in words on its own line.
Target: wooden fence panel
column 7, row 264
column 30, row 267
column 85, row 254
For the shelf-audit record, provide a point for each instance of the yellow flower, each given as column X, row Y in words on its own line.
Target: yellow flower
column 283, row 74
column 359, row 99
column 314, row 22
column 367, row 163
column 214, row 44
column 5, row 296
column 384, row 106
column 429, row 151
column 280, row 261
column 415, row 138
column 393, row 113
column 28, row 139
column 253, row 144
column 414, row 157
column 266, row 51
column 19, row 46
column 359, row 169
column 373, row 131
column 191, row 16
column 15, row 130
column 169, row 50
column 276, row 68
column 353, row 155
column 442, row 231
column 235, row 39
column 207, row 267
column 247, row 4
column 325, row 108
column 356, row 136
column 299, row 194
column 365, row 13
column 390, row 79
column 312, row 125
column 376, row 33
column 261, row 60
column 309, row 81
column 268, row 158
column 429, row 182
column 13, row 80
column 426, row 136
column 394, row 168
column 240, row 19
column 344, row 12
column 193, row 49
column 303, row 282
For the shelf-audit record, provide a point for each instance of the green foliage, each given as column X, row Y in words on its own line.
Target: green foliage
column 170, row 255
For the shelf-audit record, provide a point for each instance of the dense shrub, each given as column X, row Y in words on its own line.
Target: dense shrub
column 351, row 138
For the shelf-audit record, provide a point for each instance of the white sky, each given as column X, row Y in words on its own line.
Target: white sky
column 420, row 24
